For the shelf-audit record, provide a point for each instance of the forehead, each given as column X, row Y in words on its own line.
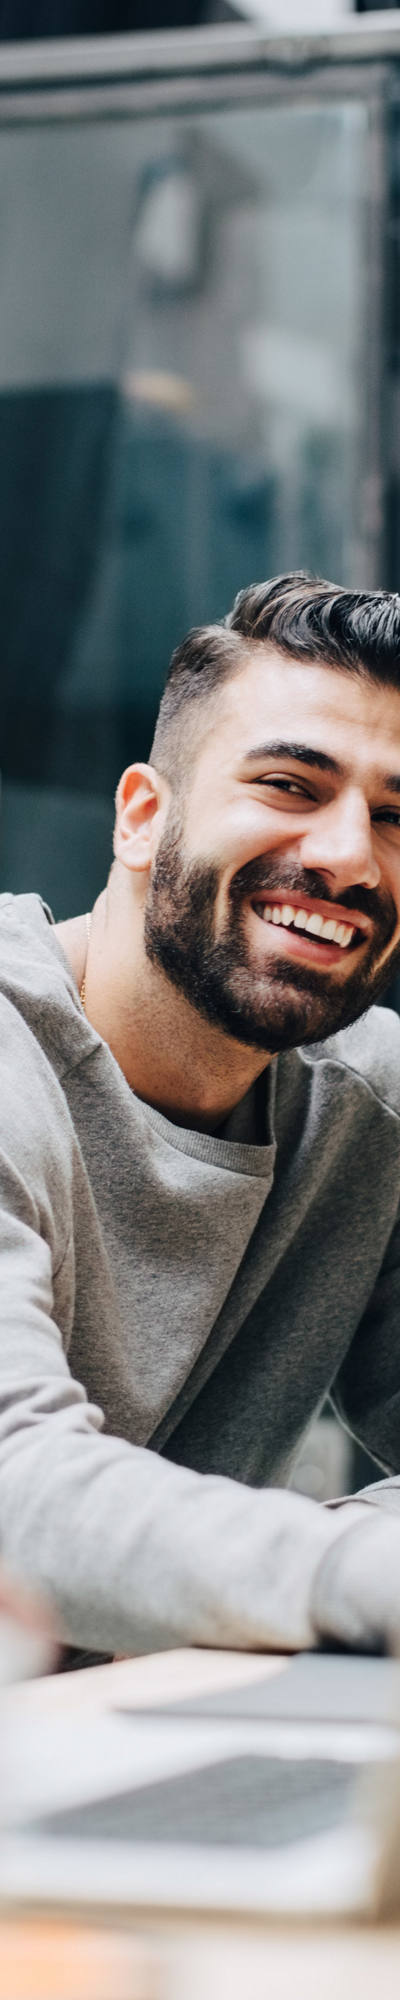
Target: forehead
column 312, row 703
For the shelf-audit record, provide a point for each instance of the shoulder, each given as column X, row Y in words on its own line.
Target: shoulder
column 43, row 1035
column 367, row 1055
column 37, row 984
column 40, row 1035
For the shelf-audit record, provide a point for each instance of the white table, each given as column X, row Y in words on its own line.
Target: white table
column 201, row 1958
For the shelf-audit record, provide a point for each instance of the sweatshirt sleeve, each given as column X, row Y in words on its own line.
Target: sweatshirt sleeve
column 133, row 1553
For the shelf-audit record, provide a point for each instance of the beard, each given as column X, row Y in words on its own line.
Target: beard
column 275, row 1005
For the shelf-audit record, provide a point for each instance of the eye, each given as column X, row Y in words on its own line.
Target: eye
column 289, row 785
column 389, row 817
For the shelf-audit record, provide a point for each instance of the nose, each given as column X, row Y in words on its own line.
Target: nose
column 339, row 842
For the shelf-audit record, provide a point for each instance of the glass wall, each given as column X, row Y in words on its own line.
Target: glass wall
column 188, row 339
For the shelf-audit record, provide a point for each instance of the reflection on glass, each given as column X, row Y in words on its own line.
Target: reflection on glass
column 181, row 407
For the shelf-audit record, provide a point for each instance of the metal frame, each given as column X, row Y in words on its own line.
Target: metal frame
column 215, row 74
column 119, row 57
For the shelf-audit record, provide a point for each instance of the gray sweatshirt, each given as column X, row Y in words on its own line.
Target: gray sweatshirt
column 173, row 1308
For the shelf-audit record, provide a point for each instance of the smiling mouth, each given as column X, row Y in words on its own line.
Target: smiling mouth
column 327, row 935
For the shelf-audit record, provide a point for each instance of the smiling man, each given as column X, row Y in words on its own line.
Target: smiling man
column 200, row 1157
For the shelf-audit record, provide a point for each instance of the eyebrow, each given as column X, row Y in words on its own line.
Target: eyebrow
column 303, row 753
column 391, row 784
column 299, row 753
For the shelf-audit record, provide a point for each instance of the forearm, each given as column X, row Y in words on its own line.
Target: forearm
column 135, row 1554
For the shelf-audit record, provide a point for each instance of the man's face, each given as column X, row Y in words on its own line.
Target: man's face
column 292, row 826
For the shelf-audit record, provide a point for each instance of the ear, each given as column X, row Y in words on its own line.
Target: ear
column 140, row 801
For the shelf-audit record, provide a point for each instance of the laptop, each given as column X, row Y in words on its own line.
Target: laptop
column 281, row 1797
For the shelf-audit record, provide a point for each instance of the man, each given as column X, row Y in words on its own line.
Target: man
column 201, row 1157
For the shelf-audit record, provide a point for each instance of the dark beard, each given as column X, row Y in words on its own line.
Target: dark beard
column 276, row 1008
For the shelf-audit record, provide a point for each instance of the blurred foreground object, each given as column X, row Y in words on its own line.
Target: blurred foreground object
column 47, row 1961
column 27, row 1642
column 57, row 1961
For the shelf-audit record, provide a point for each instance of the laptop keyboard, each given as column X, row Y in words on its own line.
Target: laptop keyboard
column 243, row 1801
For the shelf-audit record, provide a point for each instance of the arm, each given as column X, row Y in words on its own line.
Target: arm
column 132, row 1553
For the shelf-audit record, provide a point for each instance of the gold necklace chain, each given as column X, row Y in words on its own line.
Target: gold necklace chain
column 82, row 996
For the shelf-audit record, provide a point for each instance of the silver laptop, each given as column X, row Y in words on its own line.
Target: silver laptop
column 282, row 1796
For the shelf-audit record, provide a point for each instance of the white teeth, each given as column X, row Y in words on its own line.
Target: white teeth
column 315, row 924
column 326, row 928
column 329, row 929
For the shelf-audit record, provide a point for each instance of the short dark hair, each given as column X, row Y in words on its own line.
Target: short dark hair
column 304, row 618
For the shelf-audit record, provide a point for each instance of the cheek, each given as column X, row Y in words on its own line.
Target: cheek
column 237, row 832
column 261, row 832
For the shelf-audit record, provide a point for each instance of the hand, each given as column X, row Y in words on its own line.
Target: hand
column 27, row 1638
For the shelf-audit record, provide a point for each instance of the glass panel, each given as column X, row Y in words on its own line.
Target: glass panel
column 181, row 412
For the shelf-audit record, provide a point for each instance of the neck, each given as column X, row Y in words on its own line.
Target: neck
column 170, row 1056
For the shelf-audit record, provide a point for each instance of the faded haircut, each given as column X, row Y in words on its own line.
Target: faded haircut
column 302, row 617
